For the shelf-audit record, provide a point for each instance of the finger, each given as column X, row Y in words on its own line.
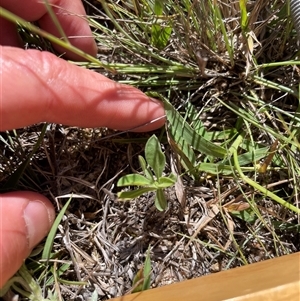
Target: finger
column 38, row 86
column 70, row 14
column 8, row 34
column 26, row 218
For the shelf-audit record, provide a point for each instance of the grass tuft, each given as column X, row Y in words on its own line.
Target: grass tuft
column 228, row 74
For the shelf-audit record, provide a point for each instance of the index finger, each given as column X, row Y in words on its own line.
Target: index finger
column 37, row 86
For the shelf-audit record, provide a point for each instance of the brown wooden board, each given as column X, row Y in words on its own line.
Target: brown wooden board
column 274, row 279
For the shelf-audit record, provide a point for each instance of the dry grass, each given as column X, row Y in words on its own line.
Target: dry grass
column 213, row 223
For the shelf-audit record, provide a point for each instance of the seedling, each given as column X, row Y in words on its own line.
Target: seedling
column 153, row 179
column 142, row 279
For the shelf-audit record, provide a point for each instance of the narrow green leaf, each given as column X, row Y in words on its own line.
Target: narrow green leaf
column 58, row 272
column 70, row 282
column 198, row 125
column 286, row 226
column 154, row 156
column 244, row 17
column 187, row 150
column 143, row 163
column 247, row 215
column 225, row 36
column 129, row 195
column 250, row 157
column 134, row 180
column 160, row 200
column 138, row 280
column 160, row 35
column 53, row 39
column 145, row 169
column 142, row 279
column 215, row 168
column 173, row 177
column 52, row 233
column 263, row 190
column 147, row 271
column 250, row 118
column 164, row 182
column 33, row 287
column 14, row 280
column 186, row 153
column 158, row 7
column 179, row 128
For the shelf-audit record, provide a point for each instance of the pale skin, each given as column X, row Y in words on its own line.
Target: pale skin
column 37, row 86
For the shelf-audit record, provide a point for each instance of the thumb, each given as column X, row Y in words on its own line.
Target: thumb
column 25, row 219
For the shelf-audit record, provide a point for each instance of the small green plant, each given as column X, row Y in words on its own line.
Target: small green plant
column 160, row 33
column 153, row 179
column 142, row 279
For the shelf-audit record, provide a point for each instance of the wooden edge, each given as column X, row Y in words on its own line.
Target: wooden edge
column 274, row 279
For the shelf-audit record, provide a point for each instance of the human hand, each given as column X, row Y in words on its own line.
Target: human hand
column 37, row 86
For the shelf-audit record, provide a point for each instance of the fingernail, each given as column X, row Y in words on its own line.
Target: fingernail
column 38, row 219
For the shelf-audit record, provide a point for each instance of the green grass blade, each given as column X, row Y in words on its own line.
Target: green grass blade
column 262, row 189
column 52, row 233
column 244, row 17
column 158, row 7
column 53, row 39
column 147, row 271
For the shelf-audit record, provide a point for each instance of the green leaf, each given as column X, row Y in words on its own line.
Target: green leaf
column 142, row 279
column 33, row 287
column 186, row 153
column 164, row 182
column 215, row 168
column 137, row 282
column 129, row 195
column 250, row 157
column 59, row 271
column 263, row 189
column 52, row 233
column 147, row 271
column 193, row 115
column 158, row 7
column 134, row 180
column 244, row 17
column 160, row 200
column 143, row 163
column 179, row 128
column 160, row 35
column 154, row 156
column 247, row 215
column 173, row 177
column 145, row 169
column 11, row 282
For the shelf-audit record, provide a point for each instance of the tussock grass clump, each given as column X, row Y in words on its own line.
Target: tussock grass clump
column 228, row 74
